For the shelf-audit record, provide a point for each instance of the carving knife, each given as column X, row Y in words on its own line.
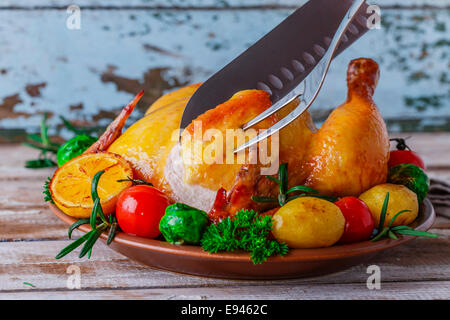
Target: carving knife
column 282, row 58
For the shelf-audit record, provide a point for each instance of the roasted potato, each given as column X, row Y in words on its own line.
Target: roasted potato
column 308, row 222
column 400, row 198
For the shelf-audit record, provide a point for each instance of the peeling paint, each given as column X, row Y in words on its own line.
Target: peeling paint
column 76, row 107
column 93, row 72
column 7, row 107
column 154, row 82
column 34, row 90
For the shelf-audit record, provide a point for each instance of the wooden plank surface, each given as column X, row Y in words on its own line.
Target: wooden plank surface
column 390, row 291
column 33, row 262
column 88, row 74
column 30, row 236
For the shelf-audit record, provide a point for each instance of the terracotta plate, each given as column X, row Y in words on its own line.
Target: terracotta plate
column 298, row 263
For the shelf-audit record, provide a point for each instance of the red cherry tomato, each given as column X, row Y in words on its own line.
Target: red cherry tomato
column 139, row 210
column 405, row 156
column 359, row 223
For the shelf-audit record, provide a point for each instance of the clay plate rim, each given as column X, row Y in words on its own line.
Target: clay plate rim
column 423, row 222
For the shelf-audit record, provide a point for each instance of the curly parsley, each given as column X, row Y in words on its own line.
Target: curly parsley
column 248, row 231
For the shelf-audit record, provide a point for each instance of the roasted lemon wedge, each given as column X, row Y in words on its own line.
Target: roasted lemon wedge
column 70, row 186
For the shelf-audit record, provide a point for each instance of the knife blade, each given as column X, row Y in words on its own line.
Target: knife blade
column 281, row 59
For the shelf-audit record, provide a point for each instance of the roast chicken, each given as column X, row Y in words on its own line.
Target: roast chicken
column 346, row 156
column 350, row 152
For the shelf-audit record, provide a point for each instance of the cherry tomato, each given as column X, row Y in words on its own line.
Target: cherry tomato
column 405, row 156
column 139, row 210
column 359, row 223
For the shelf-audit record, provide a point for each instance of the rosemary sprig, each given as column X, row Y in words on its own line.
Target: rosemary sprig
column 41, row 147
column 41, row 142
column 47, row 147
column 136, row 181
column 112, row 230
column 40, row 163
column 29, row 284
column 70, row 126
column 283, row 196
column 392, row 232
column 99, row 223
column 76, row 225
column 75, row 130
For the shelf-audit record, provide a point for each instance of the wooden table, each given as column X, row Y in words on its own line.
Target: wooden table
column 30, row 236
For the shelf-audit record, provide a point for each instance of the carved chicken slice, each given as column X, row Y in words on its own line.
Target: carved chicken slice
column 151, row 145
column 350, row 152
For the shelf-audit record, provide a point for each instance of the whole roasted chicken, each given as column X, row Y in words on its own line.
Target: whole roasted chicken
column 346, row 156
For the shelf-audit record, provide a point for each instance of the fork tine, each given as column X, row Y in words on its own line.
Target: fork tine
column 302, row 107
column 280, row 104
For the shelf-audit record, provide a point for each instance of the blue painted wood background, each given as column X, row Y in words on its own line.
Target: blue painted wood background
column 87, row 75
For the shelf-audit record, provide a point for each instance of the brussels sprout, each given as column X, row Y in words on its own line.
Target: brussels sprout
column 412, row 177
column 73, row 148
column 183, row 224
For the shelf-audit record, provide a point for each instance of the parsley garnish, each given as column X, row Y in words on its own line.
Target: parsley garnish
column 246, row 230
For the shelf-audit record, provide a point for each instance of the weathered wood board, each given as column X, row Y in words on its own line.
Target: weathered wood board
column 391, row 291
column 89, row 74
column 28, row 261
column 30, row 236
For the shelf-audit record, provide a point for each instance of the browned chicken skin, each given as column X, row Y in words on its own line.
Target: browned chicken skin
column 350, row 152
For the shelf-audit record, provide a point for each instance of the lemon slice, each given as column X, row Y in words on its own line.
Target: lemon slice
column 70, row 186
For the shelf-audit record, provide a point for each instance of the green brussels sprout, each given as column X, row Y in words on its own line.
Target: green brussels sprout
column 183, row 224
column 412, row 177
column 73, row 148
